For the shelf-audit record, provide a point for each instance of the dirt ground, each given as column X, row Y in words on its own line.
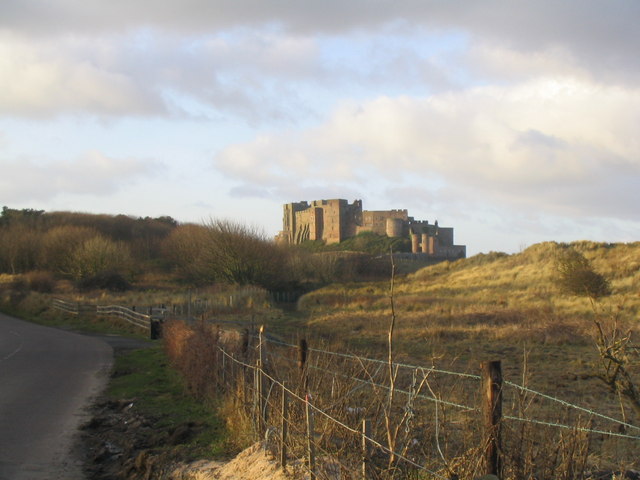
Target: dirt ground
column 119, row 444
column 250, row 464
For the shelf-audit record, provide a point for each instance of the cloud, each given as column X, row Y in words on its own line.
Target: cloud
column 594, row 29
column 93, row 174
column 41, row 79
column 258, row 76
column 265, row 61
column 557, row 145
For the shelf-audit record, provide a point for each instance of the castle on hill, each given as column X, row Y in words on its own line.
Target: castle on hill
column 333, row 221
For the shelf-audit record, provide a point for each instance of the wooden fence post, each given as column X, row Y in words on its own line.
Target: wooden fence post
column 244, row 348
column 232, row 383
column 303, row 350
column 366, row 433
column 224, row 368
column 262, row 387
column 311, row 448
column 492, row 409
column 284, row 426
column 256, row 401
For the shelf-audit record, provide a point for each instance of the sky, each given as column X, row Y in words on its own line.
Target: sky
column 512, row 122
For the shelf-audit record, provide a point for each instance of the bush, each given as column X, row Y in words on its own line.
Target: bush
column 576, row 276
column 99, row 256
column 43, row 282
column 112, row 281
column 193, row 350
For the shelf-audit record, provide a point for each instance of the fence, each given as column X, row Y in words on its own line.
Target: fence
column 128, row 315
column 144, row 321
column 73, row 308
column 354, row 417
column 193, row 308
column 247, row 296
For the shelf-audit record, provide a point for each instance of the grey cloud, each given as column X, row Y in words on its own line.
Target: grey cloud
column 603, row 35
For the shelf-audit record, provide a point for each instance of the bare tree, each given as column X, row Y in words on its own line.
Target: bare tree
column 240, row 254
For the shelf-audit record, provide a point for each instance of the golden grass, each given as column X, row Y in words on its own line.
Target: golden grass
column 491, row 306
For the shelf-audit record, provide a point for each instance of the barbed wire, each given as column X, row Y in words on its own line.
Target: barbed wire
column 569, row 427
column 375, row 360
column 468, row 408
column 386, row 387
column 398, row 390
column 335, row 420
column 475, row 377
column 570, row 405
column 353, row 430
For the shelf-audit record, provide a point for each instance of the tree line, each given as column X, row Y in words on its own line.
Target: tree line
column 97, row 250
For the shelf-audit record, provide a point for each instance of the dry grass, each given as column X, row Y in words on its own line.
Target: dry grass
column 496, row 306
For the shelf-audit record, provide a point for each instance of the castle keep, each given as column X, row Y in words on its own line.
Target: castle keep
column 336, row 220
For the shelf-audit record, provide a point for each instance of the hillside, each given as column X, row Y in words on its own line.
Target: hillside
column 494, row 284
column 490, row 306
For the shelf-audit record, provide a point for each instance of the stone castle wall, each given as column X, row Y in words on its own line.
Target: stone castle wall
column 335, row 220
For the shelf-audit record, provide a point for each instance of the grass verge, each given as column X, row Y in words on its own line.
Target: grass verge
column 158, row 393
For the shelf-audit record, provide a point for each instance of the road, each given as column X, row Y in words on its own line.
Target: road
column 47, row 380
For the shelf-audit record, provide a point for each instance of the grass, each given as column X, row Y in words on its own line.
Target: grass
column 488, row 307
column 159, row 393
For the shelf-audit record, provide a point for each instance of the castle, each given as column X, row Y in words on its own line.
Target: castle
column 336, row 220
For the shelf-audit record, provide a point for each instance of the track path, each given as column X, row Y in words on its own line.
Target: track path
column 47, row 380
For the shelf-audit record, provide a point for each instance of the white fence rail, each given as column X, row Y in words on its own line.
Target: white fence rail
column 131, row 316
column 136, row 318
column 73, row 308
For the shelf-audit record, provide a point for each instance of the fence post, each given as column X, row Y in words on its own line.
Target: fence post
column 492, row 409
column 244, row 347
column 303, row 350
column 189, row 308
column 256, row 401
column 232, row 383
column 224, row 368
column 262, row 350
column 311, row 448
column 284, row 427
column 366, row 433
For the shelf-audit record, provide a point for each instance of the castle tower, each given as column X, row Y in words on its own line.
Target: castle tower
column 432, row 246
column 414, row 243
column 395, row 227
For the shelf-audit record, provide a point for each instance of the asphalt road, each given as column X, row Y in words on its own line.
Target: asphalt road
column 47, row 380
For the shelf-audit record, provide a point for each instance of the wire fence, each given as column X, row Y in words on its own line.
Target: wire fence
column 617, row 424
column 372, row 419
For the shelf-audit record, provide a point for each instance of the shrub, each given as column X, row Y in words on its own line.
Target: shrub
column 193, row 351
column 243, row 255
column 40, row 281
column 59, row 245
column 98, row 255
column 576, row 276
column 112, row 281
